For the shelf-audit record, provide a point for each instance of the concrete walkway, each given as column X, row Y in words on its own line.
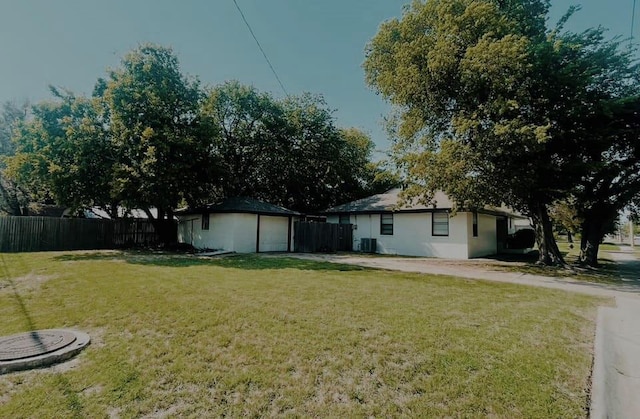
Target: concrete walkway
column 615, row 391
column 487, row 269
column 616, row 370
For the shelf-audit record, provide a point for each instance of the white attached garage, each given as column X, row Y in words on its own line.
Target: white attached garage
column 242, row 225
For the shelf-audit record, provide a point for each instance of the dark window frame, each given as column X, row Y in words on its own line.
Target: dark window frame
column 475, row 223
column 386, row 229
column 205, row 221
column 433, row 224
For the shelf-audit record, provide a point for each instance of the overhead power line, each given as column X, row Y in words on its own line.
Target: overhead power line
column 261, row 49
column 633, row 21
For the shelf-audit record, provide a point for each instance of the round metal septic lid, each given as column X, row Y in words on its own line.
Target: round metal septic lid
column 32, row 344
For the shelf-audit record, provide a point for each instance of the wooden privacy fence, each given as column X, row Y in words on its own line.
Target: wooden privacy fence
column 322, row 237
column 33, row 234
column 136, row 232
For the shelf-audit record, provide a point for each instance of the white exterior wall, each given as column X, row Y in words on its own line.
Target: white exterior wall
column 486, row 243
column 185, row 226
column 412, row 235
column 274, row 233
column 244, row 232
column 235, row 232
column 220, row 235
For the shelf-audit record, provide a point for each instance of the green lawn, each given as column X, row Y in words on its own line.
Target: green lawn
column 606, row 273
column 252, row 336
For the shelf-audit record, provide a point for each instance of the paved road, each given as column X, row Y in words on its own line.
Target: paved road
column 615, row 391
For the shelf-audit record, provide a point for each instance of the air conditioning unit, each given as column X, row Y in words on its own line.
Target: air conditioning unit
column 368, row 245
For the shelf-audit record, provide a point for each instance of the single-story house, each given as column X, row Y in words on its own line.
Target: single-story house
column 381, row 225
column 242, row 225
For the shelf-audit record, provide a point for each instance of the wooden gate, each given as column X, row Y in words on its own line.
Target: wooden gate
column 322, row 237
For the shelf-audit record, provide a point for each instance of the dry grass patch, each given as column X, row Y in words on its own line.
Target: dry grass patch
column 253, row 336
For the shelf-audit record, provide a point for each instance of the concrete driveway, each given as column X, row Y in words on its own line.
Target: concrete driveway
column 615, row 391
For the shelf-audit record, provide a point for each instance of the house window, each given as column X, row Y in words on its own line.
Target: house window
column 440, row 224
column 344, row 219
column 205, row 221
column 475, row 224
column 386, row 224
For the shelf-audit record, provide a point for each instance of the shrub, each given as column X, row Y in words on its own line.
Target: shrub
column 521, row 239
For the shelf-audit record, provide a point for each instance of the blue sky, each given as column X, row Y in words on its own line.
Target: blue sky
column 314, row 45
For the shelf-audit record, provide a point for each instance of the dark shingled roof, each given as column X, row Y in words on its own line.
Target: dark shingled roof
column 242, row 205
column 388, row 201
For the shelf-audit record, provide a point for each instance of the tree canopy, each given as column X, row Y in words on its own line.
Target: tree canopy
column 14, row 198
column 288, row 152
column 153, row 116
column 149, row 137
column 136, row 143
column 493, row 107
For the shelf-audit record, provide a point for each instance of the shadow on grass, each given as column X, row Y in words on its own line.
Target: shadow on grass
column 29, row 323
column 607, row 273
column 234, row 261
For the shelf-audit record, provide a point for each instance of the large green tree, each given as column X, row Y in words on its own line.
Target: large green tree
column 490, row 105
column 153, row 115
column 287, row 152
column 328, row 165
column 251, row 141
column 138, row 142
column 611, row 163
column 14, row 198
column 63, row 153
column 149, row 137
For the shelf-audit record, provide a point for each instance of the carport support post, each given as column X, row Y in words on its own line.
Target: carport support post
column 258, row 233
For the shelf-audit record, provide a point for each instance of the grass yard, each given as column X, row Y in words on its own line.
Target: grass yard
column 252, row 336
column 607, row 272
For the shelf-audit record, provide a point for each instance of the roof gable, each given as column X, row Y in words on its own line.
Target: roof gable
column 388, row 201
column 241, row 205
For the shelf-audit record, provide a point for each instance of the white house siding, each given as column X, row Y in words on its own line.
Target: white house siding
column 235, row 232
column 486, row 243
column 219, row 236
column 411, row 235
column 244, row 231
column 273, row 233
column 455, row 245
column 185, row 229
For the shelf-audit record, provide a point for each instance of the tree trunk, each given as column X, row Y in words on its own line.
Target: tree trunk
column 9, row 201
column 590, row 244
column 547, row 246
column 595, row 224
column 593, row 228
column 112, row 210
column 163, row 226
